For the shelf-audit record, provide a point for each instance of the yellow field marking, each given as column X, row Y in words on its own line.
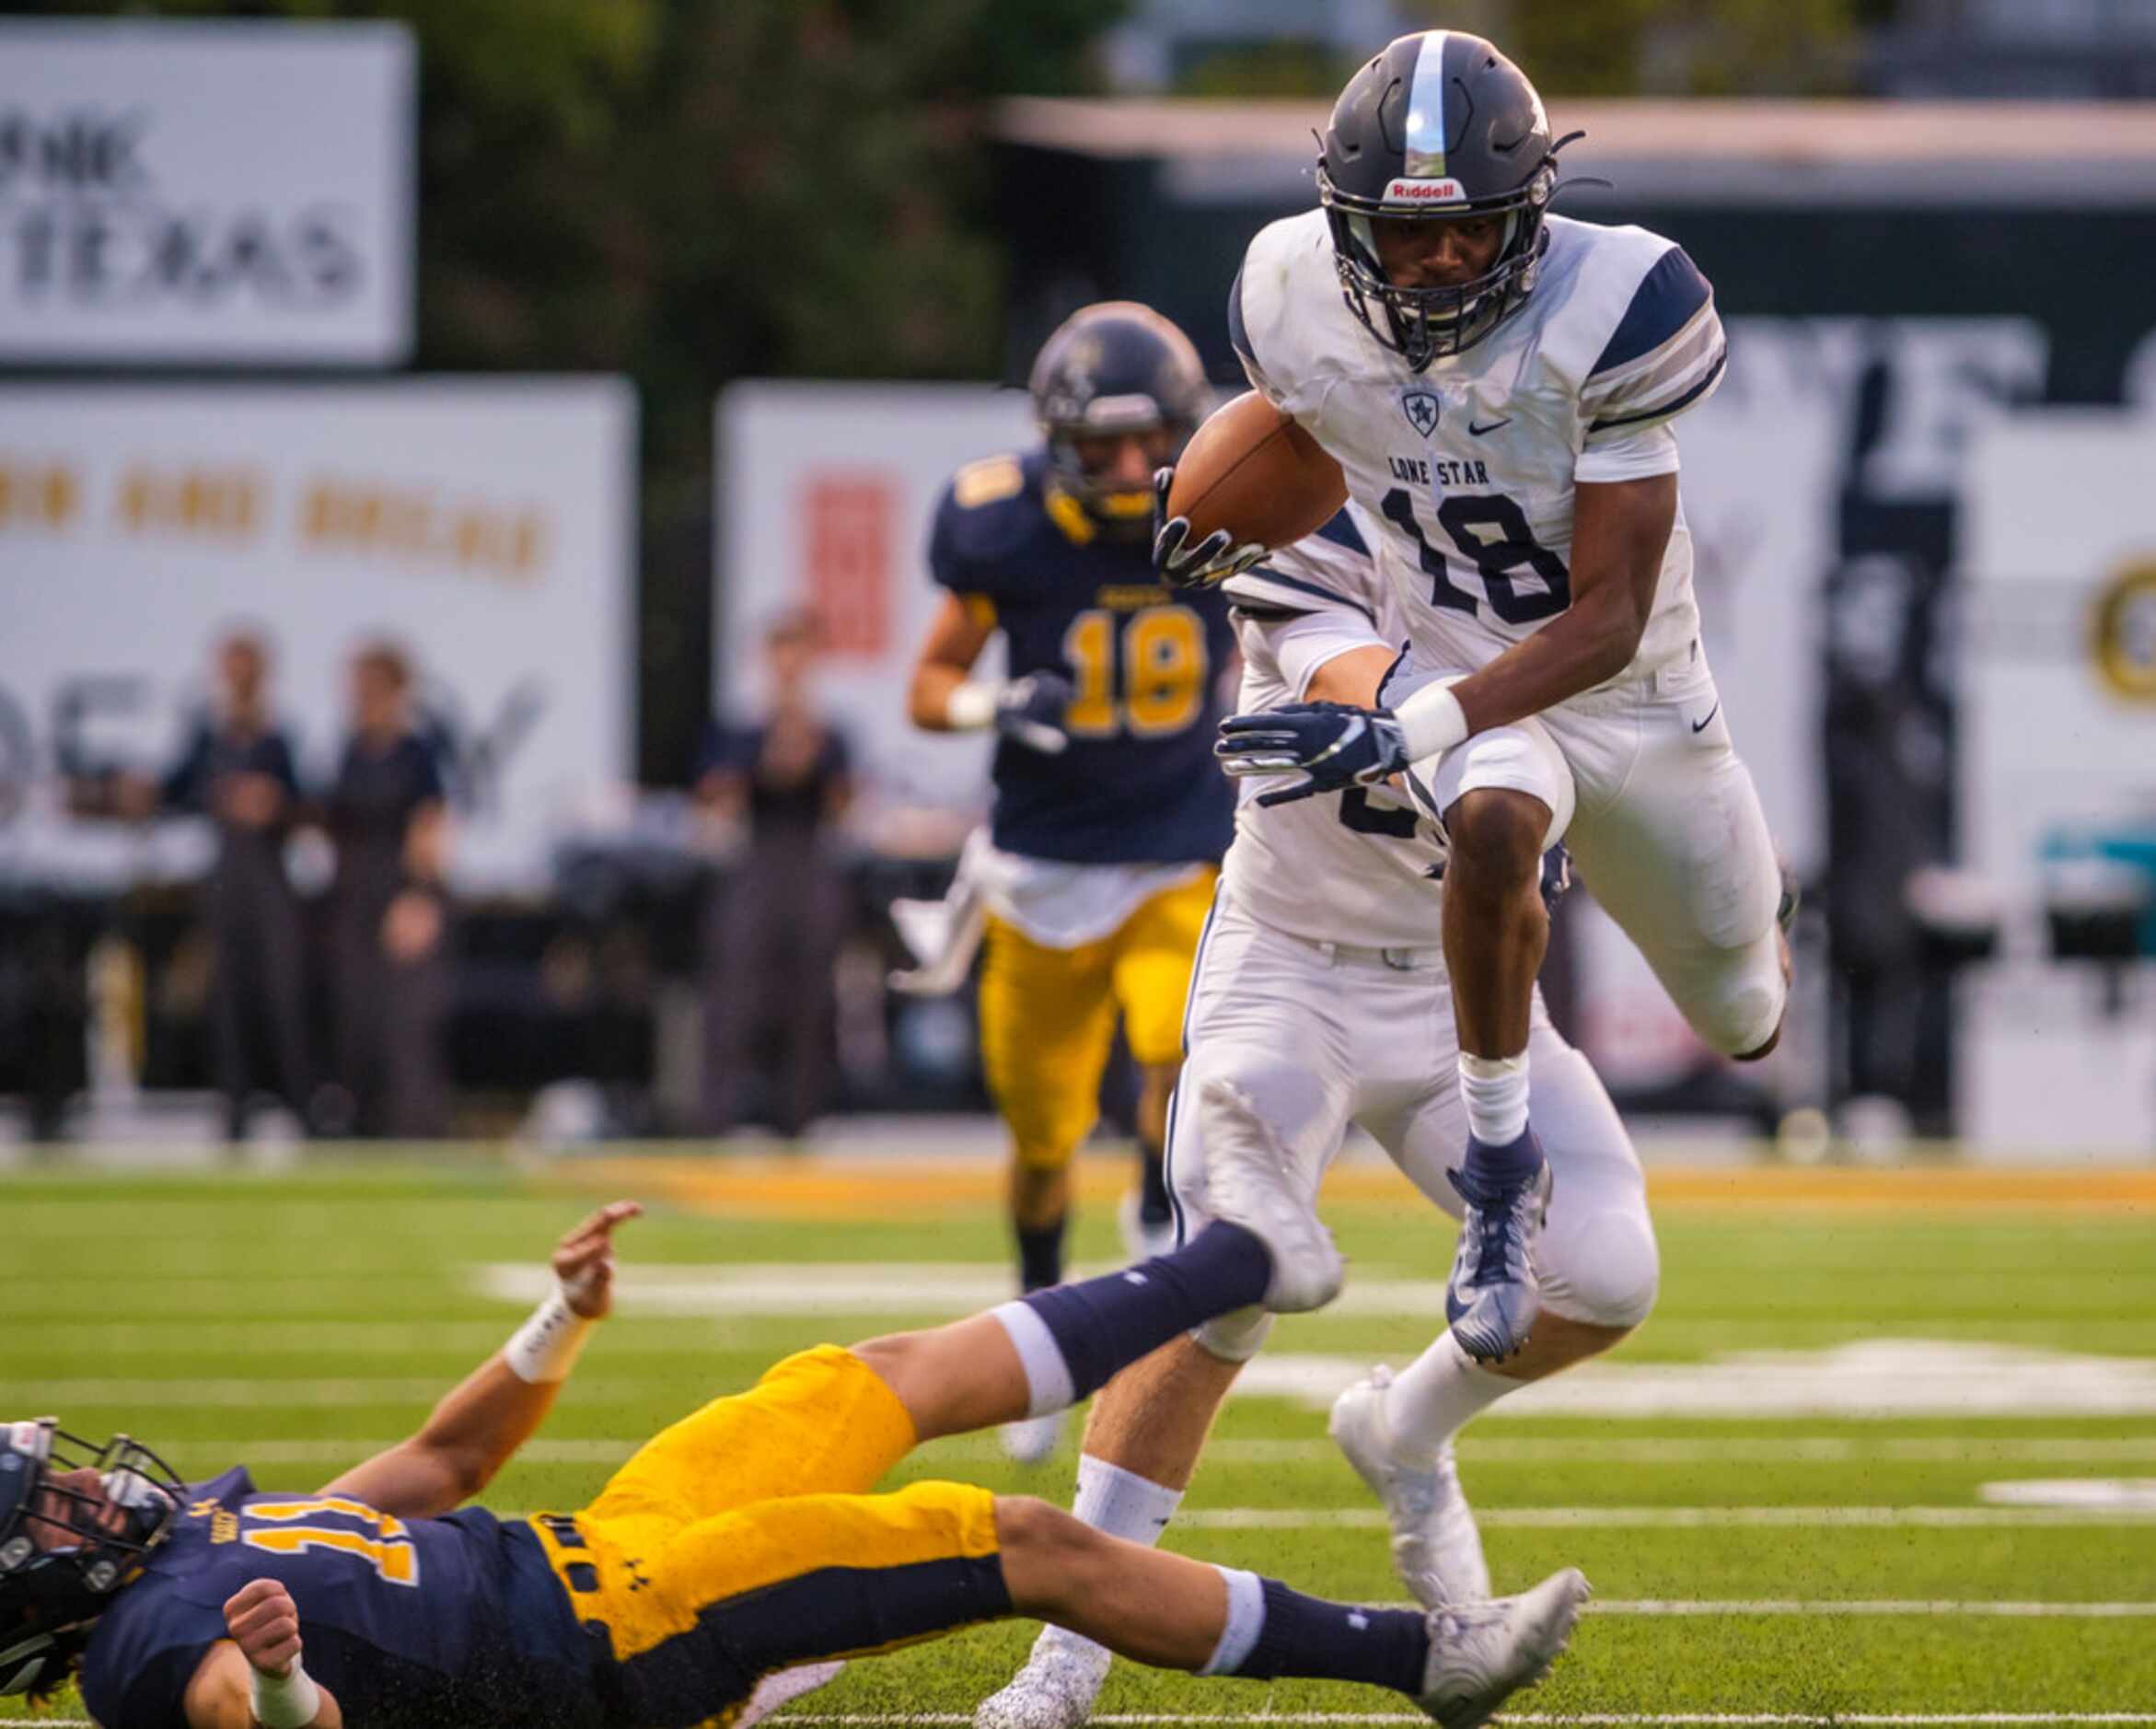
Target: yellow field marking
column 913, row 1188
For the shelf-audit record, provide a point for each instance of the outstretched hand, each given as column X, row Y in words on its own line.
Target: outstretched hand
column 583, row 1259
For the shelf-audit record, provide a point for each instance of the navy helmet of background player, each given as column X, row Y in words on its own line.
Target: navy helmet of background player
column 1109, row 369
column 1460, row 132
column 64, row 1551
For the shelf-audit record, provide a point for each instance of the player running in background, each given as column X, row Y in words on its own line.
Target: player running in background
column 1497, row 386
column 1324, row 942
column 739, row 1541
column 1110, row 814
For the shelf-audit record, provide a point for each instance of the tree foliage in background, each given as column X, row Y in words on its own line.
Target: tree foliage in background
column 1666, row 47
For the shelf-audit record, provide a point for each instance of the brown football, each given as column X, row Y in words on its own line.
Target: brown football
column 1250, row 469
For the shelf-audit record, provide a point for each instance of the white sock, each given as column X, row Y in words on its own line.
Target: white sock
column 1495, row 1090
column 1246, row 1621
column 1048, row 1386
column 1121, row 1502
column 1433, row 1396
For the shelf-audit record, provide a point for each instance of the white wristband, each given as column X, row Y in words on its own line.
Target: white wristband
column 545, row 1348
column 972, row 705
column 284, row 1701
column 1432, row 721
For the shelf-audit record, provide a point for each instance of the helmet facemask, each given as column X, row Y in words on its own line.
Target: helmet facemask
column 63, row 1551
column 1114, row 506
column 1425, row 324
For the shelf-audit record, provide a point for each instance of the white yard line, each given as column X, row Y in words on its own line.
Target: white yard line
column 1981, row 1607
column 234, row 1331
column 1506, row 1449
column 1671, row 1518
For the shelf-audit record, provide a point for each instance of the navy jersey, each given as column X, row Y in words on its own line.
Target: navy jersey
column 406, row 1622
column 1139, row 783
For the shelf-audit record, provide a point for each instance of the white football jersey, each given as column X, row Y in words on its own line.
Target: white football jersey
column 1354, row 867
column 1467, row 465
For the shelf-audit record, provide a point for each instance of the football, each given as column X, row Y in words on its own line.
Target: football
column 1252, row 471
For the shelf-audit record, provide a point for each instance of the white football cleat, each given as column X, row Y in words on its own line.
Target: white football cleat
column 784, row 1688
column 1481, row 1654
column 1251, row 1181
column 1143, row 1240
column 1056, row 1690
column 1030, row 1440
column 1437, row 1552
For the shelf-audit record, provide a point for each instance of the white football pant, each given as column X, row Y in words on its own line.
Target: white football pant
column 1321, row 1035
column 1666, row 831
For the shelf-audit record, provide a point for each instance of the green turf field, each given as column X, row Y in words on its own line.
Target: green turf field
column 1886, row 1457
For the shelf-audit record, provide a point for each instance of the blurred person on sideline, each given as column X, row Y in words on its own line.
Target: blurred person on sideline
column 773, row 927
column 237, row 769
column 388, row 914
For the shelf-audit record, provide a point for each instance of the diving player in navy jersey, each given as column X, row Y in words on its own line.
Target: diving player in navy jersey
column 740, row 1541
column 1110, row 814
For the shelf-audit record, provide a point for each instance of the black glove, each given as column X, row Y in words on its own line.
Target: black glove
column 1210, row 562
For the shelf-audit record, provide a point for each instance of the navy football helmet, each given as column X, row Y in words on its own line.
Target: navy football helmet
column 1439, row 125
column 52, row 1592
column 1111, row 368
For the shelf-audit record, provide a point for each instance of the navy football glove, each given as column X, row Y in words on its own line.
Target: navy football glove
column 1212, row 560
column 1333, row 745
column 1556, row 875
column 1030, row 711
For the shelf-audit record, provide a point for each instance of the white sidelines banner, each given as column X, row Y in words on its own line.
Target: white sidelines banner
column 2057, row 770
column 487, row 527
column 207, row 192
column 2058, row 674
column 825, row 493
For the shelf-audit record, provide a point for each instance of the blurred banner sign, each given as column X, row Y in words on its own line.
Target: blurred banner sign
column 206, row 193
column 487, row 527
column 851, row 520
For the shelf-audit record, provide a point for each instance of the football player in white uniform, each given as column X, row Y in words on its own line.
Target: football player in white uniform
column 1352, row 982
column 1497, row 385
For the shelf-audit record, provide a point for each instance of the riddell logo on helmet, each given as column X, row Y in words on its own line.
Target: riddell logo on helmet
column 1425, row 192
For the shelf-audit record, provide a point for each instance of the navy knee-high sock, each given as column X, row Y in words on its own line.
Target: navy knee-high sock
column 1334, row 1642
column 1074, row 1337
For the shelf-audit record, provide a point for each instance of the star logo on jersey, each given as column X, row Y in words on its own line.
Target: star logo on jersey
column 1420, row 408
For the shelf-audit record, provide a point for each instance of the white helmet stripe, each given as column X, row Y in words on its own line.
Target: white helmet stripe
column 1425, row 146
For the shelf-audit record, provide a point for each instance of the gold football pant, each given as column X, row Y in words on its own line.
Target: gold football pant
column 744, row 1539
column 1047, row 1015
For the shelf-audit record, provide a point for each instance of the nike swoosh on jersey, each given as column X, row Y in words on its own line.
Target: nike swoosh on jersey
column 1479, row 431
column 1700, row 725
